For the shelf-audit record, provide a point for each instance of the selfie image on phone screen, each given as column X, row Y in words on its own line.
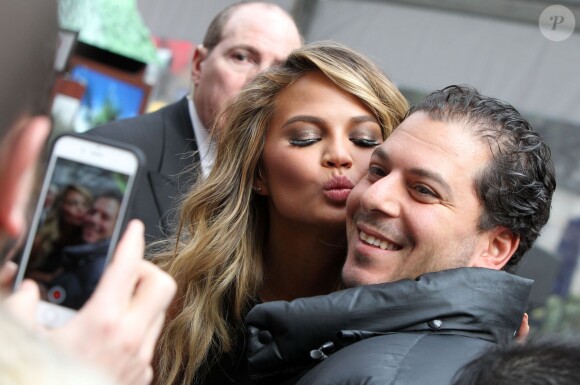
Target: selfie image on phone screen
column 74, row 233
column 78, row 218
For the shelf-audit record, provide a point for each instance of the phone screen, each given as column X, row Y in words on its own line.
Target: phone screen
column 77, row 221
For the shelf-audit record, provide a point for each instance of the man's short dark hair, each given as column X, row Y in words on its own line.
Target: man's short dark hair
column 516, row 187
column 111, row 194
column 535, row 362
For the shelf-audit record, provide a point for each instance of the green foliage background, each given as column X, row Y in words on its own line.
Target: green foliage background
column 559, row 315
column 114, row 25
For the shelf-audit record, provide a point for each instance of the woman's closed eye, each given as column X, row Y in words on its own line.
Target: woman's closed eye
column 365, row 142
column 303, row 142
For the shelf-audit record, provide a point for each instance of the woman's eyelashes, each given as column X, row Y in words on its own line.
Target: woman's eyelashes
column 307, row 140
column 303, row 142
column 365, row 141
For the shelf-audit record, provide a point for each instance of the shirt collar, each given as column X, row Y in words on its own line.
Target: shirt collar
column 202, row 139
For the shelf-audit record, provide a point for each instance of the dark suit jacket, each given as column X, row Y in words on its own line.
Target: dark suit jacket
column 166, row 138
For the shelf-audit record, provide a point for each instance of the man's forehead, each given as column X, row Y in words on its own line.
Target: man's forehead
column 107, row 203
column 422, row 141
column 446, row 134
column 253, row 12
column 255, row 23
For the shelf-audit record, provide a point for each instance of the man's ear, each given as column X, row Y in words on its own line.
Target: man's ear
column 501, row 244
column 199, row 56
column 20, row 153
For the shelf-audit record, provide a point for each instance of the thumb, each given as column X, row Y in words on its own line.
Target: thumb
column 7, row 274
column 22, row 303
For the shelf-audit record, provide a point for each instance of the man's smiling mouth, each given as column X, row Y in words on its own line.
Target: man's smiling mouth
column 383, row 244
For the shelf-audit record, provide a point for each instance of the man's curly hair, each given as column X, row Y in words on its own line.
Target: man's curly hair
column 516, row 187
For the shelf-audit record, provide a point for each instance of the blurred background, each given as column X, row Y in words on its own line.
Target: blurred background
column 121, row 58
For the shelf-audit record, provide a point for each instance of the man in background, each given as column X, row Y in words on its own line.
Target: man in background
column 116, row 331
column 242, row 40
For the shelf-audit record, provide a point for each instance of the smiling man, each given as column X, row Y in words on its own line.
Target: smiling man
column 419, row 209
column 457, row 193
column 100, row 220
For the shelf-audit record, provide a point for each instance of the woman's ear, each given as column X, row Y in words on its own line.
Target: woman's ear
column 260, row 186
column 501, row 245
column 19, row 157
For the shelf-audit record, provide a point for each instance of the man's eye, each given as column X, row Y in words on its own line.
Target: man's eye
column 303, row 142
column 365, row 142
column 376, row 172
column 425, row 191
column 242, row 57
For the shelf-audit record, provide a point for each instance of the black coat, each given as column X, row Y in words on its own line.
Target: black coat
column 167, row 140
column 82, row 267
column 408, row 332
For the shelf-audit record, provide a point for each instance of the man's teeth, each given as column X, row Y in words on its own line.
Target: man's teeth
column 384, row 245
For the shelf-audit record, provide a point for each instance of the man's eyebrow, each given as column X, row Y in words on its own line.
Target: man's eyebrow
column 246, row 47
column 381, row 154
column 383, row 157
column 434, row 176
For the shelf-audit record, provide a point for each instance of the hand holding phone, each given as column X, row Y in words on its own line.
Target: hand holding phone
column 77, row 222
column 117, row 328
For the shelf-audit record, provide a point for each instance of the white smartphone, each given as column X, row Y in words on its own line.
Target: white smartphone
column 77, row 222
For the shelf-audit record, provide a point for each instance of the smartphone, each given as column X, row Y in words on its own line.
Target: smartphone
column 77, row 222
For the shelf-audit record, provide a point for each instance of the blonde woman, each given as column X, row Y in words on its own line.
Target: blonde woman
column 268, row 222
column 62, row 227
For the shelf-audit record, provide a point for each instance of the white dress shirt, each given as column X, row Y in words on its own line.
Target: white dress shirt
column 205, row 146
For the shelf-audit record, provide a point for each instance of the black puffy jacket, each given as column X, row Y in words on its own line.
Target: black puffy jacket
column 422, row 330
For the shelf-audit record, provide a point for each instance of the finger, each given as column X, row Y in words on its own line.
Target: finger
column 524, row 329
column 140, row 371
column 119, row 279
column 22, row 303
column 150, row 341
column 148, row 376
column 152, row 296
column 143, row 377
column 7, row 274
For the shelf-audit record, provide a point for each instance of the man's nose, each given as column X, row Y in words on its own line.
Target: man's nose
column 384, row 196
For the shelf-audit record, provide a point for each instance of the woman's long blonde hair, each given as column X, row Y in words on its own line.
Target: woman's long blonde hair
column 216, row 256
column 50, row 235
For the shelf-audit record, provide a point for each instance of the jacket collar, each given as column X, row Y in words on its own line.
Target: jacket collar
column 170, row 179
column 178, row 140
column 475, row 302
